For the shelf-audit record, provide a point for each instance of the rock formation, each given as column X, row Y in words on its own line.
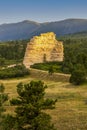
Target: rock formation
column 43, row 48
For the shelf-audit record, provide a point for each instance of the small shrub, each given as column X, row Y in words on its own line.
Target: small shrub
column 78, row 77
column 17, row 71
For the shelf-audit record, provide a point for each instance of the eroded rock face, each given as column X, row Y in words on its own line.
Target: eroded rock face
column 43, row 48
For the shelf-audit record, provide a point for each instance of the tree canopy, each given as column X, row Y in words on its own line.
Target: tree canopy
column 30, row 108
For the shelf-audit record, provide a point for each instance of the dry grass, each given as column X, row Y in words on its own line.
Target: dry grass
column 70, row 112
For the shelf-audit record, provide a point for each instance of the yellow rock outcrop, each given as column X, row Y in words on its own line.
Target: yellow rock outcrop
column 43, row 48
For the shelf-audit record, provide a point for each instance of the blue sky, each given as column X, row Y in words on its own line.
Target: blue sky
column 12, row 11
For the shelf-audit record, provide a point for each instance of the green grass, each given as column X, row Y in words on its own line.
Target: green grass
column 70, row 112
column 45, row 66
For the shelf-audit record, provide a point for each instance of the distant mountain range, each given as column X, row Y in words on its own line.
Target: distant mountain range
column 26, row 29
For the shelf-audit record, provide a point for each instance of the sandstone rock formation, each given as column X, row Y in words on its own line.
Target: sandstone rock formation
column 43, row 48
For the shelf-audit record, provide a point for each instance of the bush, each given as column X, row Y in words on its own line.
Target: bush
column 17, row 71
column 57, row 66
column 78, row 77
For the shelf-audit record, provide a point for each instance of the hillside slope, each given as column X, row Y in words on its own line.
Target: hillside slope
column 26, row 29
column 17, row 31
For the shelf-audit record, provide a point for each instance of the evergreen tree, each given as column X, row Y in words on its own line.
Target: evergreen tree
column 78, row 75
column 3, row 98
column 51, row 70
column 30, row 114
column 2, row 61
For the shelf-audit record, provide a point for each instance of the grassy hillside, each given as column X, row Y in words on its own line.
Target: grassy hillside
column 71, row 108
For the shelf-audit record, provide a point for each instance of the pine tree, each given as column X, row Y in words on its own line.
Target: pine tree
column 51, row 70
column 3, row 98
column 78, row 75
column 31, row 105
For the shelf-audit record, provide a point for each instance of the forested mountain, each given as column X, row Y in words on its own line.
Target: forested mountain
column 17, row 31
column 26, row 29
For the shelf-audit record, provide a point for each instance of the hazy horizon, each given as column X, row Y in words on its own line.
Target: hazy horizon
column 41, row 11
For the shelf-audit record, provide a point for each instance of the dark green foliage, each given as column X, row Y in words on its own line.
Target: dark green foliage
column 3, row 96
column 2, row 88
column 75, row 52
column 15, row 102
column 30, row 104
column 57, row 66
column 2, row 61
column 16, row 71
column 3, row 99
column 51, row 70
column 42, row 123
column 8, row 122
column 78, row 75
column 13, row 51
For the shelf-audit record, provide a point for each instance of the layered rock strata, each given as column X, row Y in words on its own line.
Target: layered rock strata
column 43, row 48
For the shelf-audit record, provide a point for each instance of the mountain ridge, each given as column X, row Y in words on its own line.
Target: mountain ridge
column 27, row 28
